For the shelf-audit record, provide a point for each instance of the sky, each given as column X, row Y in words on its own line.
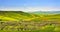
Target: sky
column 30, row 5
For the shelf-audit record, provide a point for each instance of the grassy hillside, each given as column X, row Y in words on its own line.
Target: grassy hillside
column 18, row 21
column 19, row 15
column 15, row 15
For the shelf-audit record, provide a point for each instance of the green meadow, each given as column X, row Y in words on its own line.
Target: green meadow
column 18, row 21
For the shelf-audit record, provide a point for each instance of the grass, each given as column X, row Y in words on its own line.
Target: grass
column 25, row 22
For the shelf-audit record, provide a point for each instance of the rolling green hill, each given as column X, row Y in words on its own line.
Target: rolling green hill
column 16, row 16
column 28, row 22
column 19, row 15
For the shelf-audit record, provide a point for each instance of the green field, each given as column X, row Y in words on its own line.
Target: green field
column 18, row 21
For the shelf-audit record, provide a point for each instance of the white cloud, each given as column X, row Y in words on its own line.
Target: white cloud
column 31, row 9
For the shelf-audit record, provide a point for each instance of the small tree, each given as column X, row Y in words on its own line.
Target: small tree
column 0, row 19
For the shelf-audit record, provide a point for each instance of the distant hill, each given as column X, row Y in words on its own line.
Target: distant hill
column 47, row 12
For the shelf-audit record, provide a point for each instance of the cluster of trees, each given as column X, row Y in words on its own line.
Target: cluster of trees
column 23, row 25
column 17, row 25
column 29, row 25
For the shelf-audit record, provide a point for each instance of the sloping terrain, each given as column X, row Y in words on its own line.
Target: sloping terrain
column 15, row 15
column 28, row 22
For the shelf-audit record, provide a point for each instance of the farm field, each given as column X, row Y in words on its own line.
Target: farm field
column 18, row 21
